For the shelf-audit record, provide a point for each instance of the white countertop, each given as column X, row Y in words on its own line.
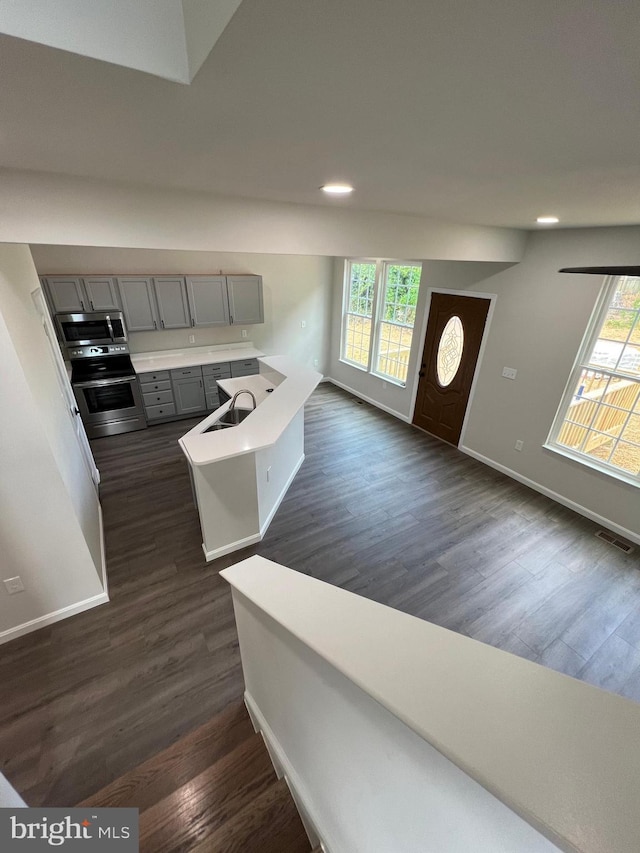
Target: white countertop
column 293, row 385
column 147, row 362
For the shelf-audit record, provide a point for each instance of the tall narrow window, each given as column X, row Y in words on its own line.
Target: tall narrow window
column 599, row 417
column 379, row 315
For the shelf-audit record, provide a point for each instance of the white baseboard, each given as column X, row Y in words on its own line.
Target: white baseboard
column 232, row 546
column 284, row 769
column 555, row 496
column 50, row 618
column 370, row 400
column 280, row 498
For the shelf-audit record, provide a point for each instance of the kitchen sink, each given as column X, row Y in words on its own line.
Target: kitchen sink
column 232, row 417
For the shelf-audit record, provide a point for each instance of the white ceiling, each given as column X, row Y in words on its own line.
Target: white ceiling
column 491, row 112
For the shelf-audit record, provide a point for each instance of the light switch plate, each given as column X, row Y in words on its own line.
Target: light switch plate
column 509, row 372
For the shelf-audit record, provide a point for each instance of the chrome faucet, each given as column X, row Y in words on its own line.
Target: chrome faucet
column 237, row 394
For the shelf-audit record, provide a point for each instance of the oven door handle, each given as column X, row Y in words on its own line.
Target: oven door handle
column 97, row 383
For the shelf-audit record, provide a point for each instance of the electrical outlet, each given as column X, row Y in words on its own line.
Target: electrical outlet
column 192, row 339
column 509, row 372
column 14, row 585
column 519, row 444
column 268, row 473
column 303, row 324
column 315, row 362
column 384, row 384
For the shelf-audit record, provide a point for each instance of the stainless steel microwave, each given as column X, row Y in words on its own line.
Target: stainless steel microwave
column 97, row 327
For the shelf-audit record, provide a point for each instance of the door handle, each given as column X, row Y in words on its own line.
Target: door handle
column 421, row 374
column 76, row 410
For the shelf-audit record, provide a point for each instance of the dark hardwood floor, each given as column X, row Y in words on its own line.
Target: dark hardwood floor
column 378, row 508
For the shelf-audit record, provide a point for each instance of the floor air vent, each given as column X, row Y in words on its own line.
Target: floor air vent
column 612, row 540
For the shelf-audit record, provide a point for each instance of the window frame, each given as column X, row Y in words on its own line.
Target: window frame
column 377, row 310
column 601, row 309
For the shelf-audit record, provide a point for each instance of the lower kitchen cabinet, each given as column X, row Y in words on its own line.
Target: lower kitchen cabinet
column 184, row 392
column 188, row 390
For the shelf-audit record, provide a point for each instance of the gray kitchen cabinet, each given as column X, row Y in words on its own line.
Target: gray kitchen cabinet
column 245, row 299
column 249, row 367
column 188, row 390
column 66, row 294
column 208, row 301
column 173, row 306
column 76, row 294
column 102, row 293
column 138, row 303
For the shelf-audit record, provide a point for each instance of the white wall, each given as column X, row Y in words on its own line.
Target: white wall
column 297, row 288
column 49, row 514
column 538, row 325
column 45, row 208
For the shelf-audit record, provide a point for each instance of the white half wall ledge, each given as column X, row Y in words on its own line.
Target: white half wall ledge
column 168, row 38
column 560, row 753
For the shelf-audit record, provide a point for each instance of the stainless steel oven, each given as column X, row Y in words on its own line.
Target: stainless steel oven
column 96, row 327
column 107, row 390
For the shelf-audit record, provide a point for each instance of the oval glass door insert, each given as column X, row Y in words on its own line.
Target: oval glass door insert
column 450, row 351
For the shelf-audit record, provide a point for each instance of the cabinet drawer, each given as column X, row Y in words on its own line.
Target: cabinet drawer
column 186, row 372
column 222, row 370
column 244, row 368
column 163, row 411
column 154, row 398
column 150, row 387
column 158, row 376
column 213, row 401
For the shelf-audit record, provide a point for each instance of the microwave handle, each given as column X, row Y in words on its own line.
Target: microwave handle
column 110, row 327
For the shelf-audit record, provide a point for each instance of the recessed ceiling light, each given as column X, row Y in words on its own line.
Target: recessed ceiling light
column 337, row 189
column 547, row 220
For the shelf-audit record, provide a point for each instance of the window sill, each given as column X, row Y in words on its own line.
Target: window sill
column 601, row 468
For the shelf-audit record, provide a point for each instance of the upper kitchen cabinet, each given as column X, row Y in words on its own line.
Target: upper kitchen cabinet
column 73, row 294
column 208, row 300
column 138, row 303
column 245, row 299
column 102, row 293
column 173, row 307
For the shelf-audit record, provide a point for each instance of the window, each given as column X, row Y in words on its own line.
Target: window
column 379, row 305
column 598, row 420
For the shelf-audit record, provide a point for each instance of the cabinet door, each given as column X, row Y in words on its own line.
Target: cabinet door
column 138, row 303
column 102, row 293
column 67, row 294
column 173, row 308
column 208, row 300
column 189, row 395
column 245, row 299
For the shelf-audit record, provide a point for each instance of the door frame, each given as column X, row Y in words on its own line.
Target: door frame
column 474, row 294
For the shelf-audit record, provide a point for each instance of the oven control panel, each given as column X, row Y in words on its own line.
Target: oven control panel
column 92, row 352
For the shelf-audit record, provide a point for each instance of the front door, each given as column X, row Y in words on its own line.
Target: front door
column 452, row 343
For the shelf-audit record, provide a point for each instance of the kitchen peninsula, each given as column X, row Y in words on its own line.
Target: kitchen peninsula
column 241, row 474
